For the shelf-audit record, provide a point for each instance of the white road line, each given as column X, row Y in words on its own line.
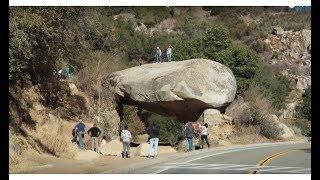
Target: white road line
column 225, row 152
column 231, row 167
column 295, row 171
column 231, row 149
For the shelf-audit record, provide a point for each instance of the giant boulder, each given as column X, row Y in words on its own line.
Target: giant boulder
column 183, row 89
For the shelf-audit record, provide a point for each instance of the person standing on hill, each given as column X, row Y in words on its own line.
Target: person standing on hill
column 189, row 131
column 169, row 53
column 94, row 133
column 80, row 129
column 158, row 55
column 204, row 135
column 126, row 139
column 154, row 140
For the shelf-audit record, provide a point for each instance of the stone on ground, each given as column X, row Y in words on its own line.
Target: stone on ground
column 114, row 148
column 86, row 155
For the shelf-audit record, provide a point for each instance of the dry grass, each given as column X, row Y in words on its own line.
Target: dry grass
column 258, row 114
column 247, row 135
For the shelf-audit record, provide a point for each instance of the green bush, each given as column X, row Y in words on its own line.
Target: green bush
column 275, row 86
column 171, row 130
column 303, row 113
column 243, row 62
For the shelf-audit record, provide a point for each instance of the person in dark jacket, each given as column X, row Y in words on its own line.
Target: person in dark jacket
column 94, row 133
column 80, row 129
column 154, row 140
column 189, row 131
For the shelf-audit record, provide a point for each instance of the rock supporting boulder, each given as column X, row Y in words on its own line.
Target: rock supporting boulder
column 213, row 117
column 183, row 89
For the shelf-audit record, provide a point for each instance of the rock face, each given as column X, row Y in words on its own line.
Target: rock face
column 213, row 117
column 113, row 148
column 183, row 89
column 287, row 132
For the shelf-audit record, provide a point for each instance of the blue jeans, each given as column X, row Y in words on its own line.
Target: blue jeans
column 169, row 57
column 158, row 58
column 190, row 144
column 81, row 141
column 153, row 146
column 126, row 148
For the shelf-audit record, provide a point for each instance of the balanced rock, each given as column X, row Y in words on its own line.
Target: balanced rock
column 183, row 89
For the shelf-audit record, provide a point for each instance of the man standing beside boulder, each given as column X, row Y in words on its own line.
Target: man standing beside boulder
column 80, row 129
column 126, row 139
column 169, row 53
column 94, row 133
column 154, row 140
column 189, row 131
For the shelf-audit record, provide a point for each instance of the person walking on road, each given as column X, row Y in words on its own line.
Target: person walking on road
column 158, row 55
column 126, row 139
column 94, row 133
column 80, row 129
column 189, row 131
column 154, row 140
column 169, row 53
column 204, row 135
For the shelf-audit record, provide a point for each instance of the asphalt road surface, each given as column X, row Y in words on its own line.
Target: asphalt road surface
column 270, row 158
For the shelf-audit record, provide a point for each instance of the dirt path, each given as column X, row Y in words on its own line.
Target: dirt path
column 46, row 164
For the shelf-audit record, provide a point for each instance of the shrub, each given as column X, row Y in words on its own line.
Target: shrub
column 303, row 113
column 243, row 62
column 257, row 114
column 132, row 120
column 270, row 128
column 170, row 128
column 275, row 86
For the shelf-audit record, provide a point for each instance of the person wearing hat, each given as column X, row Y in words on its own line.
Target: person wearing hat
column 158, row 55
column 169, row 53
column 80, row 129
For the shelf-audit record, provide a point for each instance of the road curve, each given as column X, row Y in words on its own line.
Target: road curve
column 267, row 158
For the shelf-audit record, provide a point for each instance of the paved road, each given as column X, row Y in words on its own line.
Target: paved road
column 274, row 158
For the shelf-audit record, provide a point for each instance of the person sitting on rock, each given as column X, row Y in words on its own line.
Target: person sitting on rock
column 204, row 135
column 94, row 133
column 80, row 129
column 126, row 139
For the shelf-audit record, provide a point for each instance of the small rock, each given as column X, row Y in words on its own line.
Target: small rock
column 86, row 155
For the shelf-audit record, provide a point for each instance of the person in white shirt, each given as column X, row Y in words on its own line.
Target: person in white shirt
column 204, row 135
column 158, row 55
column 126, row 139
column 169, row 53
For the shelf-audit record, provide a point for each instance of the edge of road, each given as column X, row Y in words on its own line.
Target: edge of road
column 191, row 155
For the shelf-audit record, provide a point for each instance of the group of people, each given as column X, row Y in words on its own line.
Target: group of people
column 94, row 132
column 190, row 135
column 159, row 54
column 79, row 132
column 126, row 137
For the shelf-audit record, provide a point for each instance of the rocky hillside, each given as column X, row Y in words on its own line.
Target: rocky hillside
column 266, row 50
